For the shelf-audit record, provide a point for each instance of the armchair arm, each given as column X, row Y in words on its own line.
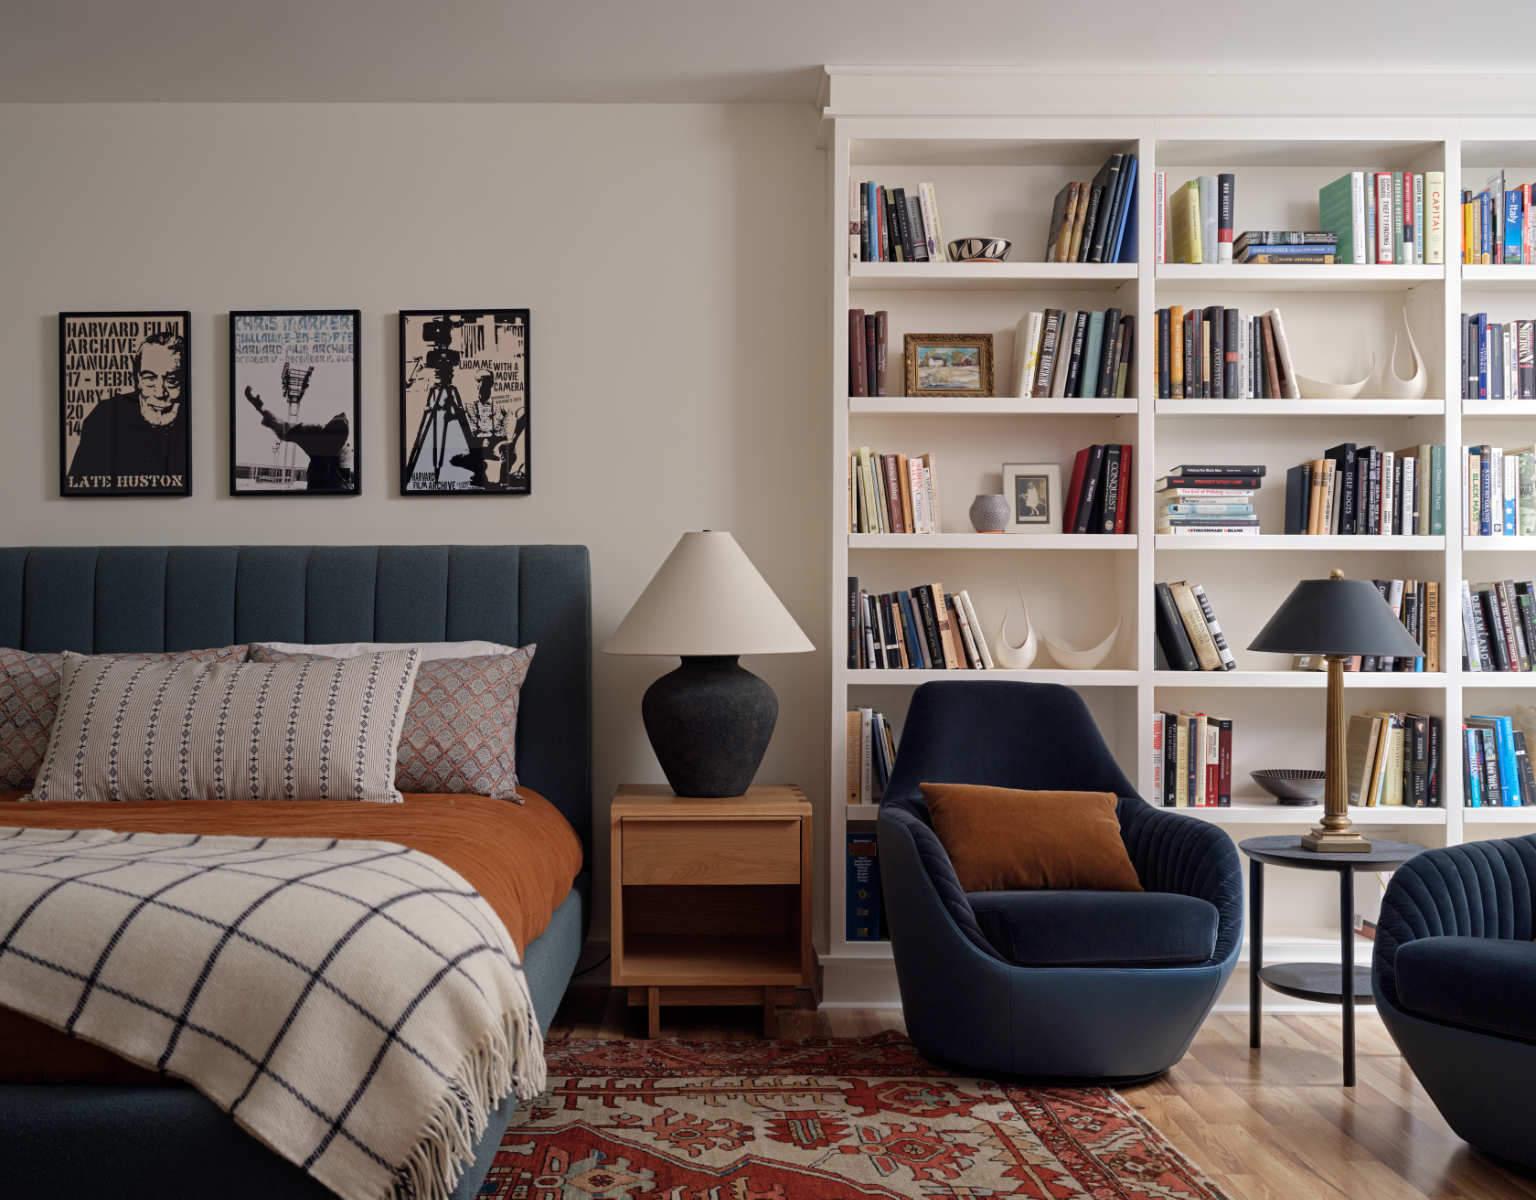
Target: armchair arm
column 1176, row 853
column 902, row 821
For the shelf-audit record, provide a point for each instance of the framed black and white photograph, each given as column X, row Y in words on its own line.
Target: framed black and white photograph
column 125, row 404
column 1034, row 497
column 295, row 402
column 465, row 402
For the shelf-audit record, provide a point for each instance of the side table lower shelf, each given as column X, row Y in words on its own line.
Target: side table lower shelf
column 1316, row 981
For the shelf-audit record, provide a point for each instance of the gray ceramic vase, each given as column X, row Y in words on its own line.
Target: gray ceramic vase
column 989, row 513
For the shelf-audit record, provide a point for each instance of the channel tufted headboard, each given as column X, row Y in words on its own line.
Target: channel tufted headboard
column 102, row 599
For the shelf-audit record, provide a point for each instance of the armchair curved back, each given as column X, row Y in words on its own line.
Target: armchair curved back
column 1016, row 735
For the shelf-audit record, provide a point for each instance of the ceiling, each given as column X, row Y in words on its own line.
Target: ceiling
column 692, row 50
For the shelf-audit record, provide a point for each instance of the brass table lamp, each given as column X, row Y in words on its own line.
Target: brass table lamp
column 1337, row 618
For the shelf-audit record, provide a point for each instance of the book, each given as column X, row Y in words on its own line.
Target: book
column 863, row 889
column 1193, row 619
column 1209, row 219
column 1213, row 627
column 1172, row 636
column 858, row 371
column 1226, row 187
column 1184, row 224
column 1026, row 352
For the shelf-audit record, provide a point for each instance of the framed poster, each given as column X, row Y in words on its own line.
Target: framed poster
column 464, row 402
column 125, row 404
column 295, row 402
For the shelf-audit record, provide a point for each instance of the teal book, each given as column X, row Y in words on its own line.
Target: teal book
column 1437, row 490
column 1336, row 215
column 1093, row 349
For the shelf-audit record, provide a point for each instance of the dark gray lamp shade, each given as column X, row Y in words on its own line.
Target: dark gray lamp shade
column 1335, row 616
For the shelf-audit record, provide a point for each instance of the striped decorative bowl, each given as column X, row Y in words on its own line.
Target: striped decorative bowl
column 979, row 249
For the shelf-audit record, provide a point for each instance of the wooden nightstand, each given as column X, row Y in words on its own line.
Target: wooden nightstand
column 711, row 898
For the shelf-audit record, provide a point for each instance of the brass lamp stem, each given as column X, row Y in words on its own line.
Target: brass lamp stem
column 1336, row 833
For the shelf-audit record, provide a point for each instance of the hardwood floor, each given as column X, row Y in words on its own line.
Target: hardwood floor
column 1266, row 1125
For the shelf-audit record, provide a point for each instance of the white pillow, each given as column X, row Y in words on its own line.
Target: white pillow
column 429, row 651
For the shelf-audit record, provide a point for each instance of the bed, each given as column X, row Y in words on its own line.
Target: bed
column 162, row 1140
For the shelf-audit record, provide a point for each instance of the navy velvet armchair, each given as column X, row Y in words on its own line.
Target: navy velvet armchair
column 1454, row 977
column 1109, row 986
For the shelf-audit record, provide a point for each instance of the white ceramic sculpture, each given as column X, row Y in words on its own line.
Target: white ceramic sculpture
column 1081, row 660
column 1393, row 386
column 1005, row 654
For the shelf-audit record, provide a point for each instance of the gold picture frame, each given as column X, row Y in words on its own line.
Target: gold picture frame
column 948, row 364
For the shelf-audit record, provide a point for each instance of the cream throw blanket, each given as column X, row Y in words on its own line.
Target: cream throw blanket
column 356, row 1006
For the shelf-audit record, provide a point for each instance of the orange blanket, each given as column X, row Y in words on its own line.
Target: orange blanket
column 521, row 858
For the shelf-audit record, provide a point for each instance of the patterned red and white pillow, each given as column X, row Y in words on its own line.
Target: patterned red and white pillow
column 29, row 704
column 460, row 731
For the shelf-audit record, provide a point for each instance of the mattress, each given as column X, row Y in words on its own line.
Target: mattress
column 522, row 859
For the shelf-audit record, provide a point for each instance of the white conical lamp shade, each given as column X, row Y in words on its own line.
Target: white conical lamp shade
column 708, row 599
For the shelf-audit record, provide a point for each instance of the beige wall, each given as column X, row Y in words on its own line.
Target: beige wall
column 674, row 260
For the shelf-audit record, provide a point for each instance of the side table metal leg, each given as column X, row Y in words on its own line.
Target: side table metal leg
column 1347, row 956
column 1255, row 948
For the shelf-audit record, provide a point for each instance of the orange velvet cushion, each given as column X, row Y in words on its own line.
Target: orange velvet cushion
column 1004, row 839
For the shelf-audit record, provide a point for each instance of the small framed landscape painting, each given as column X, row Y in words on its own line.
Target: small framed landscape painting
column 949, row 364
column 1034, row 497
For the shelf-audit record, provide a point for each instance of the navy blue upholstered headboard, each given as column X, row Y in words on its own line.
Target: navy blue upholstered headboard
column 100, row 599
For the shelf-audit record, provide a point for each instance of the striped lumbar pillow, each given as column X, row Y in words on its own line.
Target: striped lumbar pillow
column 322, row 729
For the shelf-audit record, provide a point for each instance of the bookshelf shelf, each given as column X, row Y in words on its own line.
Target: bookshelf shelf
column 1356, row 409
column 1498, row 679
column 861, row 812
column 1497, row 545
column 1498, row 408
column 1511, row 276
column 1501, row 816
column 991, row 541
column 995, row 406
column 1286, row 277
column 1316, row 680
column 1005, row 276
column 1267, row 812
column 1330, row 543
column 1100, row 678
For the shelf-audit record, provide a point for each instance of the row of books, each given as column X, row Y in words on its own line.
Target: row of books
column 871, row 752
column 1395, row 217
column 1496, row 765
column 891, row 225
column 1498, row 358
column 864, row 918
column 1086, row 354
column 1196, row 219
column 1090, row 221
column 1188, row 633
column 1191, row 760
column 1498, row 224
column 1392, row 759
column 867, row 352
column 1365, row 490
column 1414, row 602
column 1099, row 494
column 920, row 629
column 1499, row 492
column 1209, row 498
column 1498, row 625
column 1218, row 353
column 892, row 493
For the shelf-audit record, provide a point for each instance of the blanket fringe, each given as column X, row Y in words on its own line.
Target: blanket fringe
column 508, row 1060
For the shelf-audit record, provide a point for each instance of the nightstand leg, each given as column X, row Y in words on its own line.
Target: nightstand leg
column 770, row 1013
column 1255, row 949
column 653, row 1012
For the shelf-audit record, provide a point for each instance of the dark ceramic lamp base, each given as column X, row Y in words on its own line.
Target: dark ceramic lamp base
column 709, row 723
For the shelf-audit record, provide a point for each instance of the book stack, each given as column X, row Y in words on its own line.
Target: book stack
column 867, row 353
column 1191, row 760
column 1099, row 495
column 1083, row 354
column 919, row 629
column 1498, row 496
column 871, row 754
column 892, row 493
column 1218, row 353
column 1194, row 224
column 1188, row 633
column 891, row 225
column 864, row 920
column 1209, row 498
column 1496, row 768
column 1414, row 602
column 1295, row 246
column 1498, row 625
column 1498, row 224
column 1090, row 222
column 1395, row 217
column 1392, row 759
column 1363, row 490
column 1498, row 359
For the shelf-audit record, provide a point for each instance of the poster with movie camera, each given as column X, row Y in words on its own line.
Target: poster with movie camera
column 464, row 402
column 295, row 403
column 125, row 404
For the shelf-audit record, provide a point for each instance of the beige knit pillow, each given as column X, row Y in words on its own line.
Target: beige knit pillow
column 322, row 729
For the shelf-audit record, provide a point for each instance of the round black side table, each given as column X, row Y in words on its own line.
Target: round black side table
column 1342, row 983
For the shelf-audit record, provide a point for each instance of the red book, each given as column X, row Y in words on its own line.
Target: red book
column 858, row 370
column 1079, row 468
column 1213, row 769
column 872, row 355
column 1123, row 508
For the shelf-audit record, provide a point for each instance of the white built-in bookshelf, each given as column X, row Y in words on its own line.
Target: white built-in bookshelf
column 997, row 177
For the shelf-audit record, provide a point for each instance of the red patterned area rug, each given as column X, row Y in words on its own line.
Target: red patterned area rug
column 825, row 1119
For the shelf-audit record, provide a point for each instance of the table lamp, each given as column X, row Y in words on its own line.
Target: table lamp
column 1337, row 618
column 709, row 721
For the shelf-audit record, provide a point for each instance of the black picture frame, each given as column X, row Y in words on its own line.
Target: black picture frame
column 109, row 368
column 495, row 432
column 244, row 479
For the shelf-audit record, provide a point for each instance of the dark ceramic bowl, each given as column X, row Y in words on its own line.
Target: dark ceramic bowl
column 1291, row 785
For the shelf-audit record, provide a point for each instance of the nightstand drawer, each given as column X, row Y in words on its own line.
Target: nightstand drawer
column 682, row 851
